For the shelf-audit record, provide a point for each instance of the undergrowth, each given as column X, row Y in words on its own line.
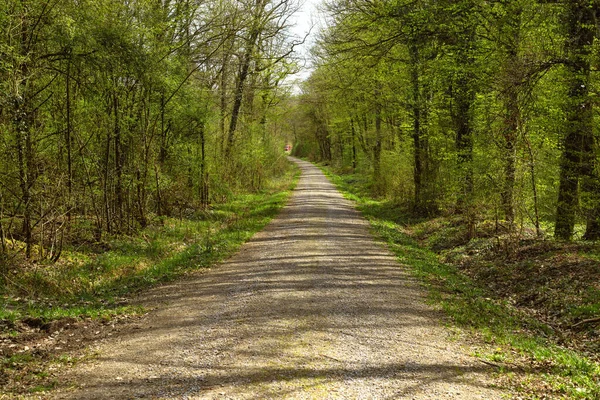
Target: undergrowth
column 534, row 357
column 94, row 281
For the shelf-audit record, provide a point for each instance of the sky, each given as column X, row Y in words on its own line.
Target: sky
column 303, row 20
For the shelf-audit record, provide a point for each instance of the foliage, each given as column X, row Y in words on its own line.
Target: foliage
column 113, row 114
column 481, row 109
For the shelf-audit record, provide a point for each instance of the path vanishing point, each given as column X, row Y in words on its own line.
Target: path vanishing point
column 312, row 307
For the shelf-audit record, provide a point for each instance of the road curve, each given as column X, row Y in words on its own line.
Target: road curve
column 310, row 308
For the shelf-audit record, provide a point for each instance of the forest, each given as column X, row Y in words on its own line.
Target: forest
column 482, row 108
column 141, row 140
column 115, row 113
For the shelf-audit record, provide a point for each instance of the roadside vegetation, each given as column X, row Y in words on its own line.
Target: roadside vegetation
column 89, row 289
column 528, row 304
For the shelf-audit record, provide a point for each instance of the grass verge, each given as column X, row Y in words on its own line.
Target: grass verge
column 524, row 349
column 88, row 283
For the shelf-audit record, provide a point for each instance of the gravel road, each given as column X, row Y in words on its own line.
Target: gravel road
column 311, row 308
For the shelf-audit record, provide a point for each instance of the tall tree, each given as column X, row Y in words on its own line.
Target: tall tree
column 578, row 158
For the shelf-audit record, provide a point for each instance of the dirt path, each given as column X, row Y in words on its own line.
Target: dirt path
column 310, row 308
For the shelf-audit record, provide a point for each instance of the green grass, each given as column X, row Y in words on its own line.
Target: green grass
column 88, row 284
column 15, row 360
column 521, row 346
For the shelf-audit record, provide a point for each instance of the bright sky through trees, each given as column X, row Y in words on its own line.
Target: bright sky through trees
column 305, row 21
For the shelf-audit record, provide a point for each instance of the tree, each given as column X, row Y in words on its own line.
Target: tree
column 434, row 84
column 578, row 157
column 108, row 112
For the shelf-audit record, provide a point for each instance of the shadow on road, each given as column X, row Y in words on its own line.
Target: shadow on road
column 310, row 306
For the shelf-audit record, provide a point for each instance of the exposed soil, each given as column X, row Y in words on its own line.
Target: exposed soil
column 311, row 307
column 33, row 352
column 557, row 283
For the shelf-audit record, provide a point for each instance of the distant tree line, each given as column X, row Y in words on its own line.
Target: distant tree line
column 487, row 109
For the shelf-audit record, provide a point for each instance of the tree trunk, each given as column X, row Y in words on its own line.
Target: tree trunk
column 577, row 156
column 536, row 211
column 416, row 135
column 223, row 101
column 2, row 232
column 68, row 138
column 591, row 187
column 509, row 155
column 353, row 132
column 23, row 125
column 243, row 75
column 142, row 220
column 23, row 143
column 162, row 154
column 464, row 96
column 106, row 184
column 377, row 146
column 512, row 76
column 423, row 204
column 118, row 162
column 203, row 170
column 323, row 140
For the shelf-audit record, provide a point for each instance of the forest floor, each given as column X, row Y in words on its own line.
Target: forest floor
column 310, row 307
column 530, row 302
